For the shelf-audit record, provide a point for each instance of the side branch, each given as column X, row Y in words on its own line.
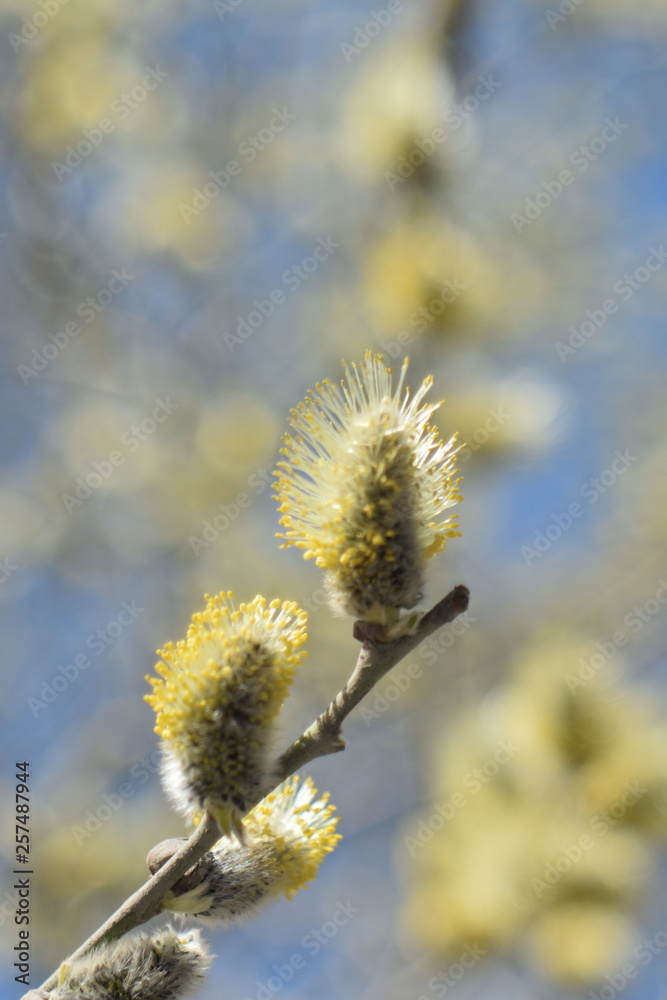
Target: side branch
column 377, row 656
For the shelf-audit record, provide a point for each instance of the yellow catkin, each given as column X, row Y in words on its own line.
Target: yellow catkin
column 216, row 699
column 288, row 834
column 364, row 487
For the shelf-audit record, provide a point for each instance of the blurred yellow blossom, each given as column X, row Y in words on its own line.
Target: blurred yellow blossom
column 545, row 801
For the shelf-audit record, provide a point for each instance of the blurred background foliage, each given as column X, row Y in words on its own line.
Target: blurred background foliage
column 204, row 207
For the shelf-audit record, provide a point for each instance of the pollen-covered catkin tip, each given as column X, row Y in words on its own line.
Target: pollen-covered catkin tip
column 364, row 488
column 217, row 698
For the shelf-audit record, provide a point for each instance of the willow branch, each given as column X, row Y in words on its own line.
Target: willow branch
column 145, row 902
column 377, row 656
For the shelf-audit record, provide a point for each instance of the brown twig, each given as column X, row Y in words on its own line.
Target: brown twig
column 377, row 656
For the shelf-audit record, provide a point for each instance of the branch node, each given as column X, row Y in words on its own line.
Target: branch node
column 164, row 851
column 369, row 631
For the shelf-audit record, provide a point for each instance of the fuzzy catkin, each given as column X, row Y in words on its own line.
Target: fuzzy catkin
column 216, row 700
column 164, row 965
column 363, row 488
column 287, row 836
